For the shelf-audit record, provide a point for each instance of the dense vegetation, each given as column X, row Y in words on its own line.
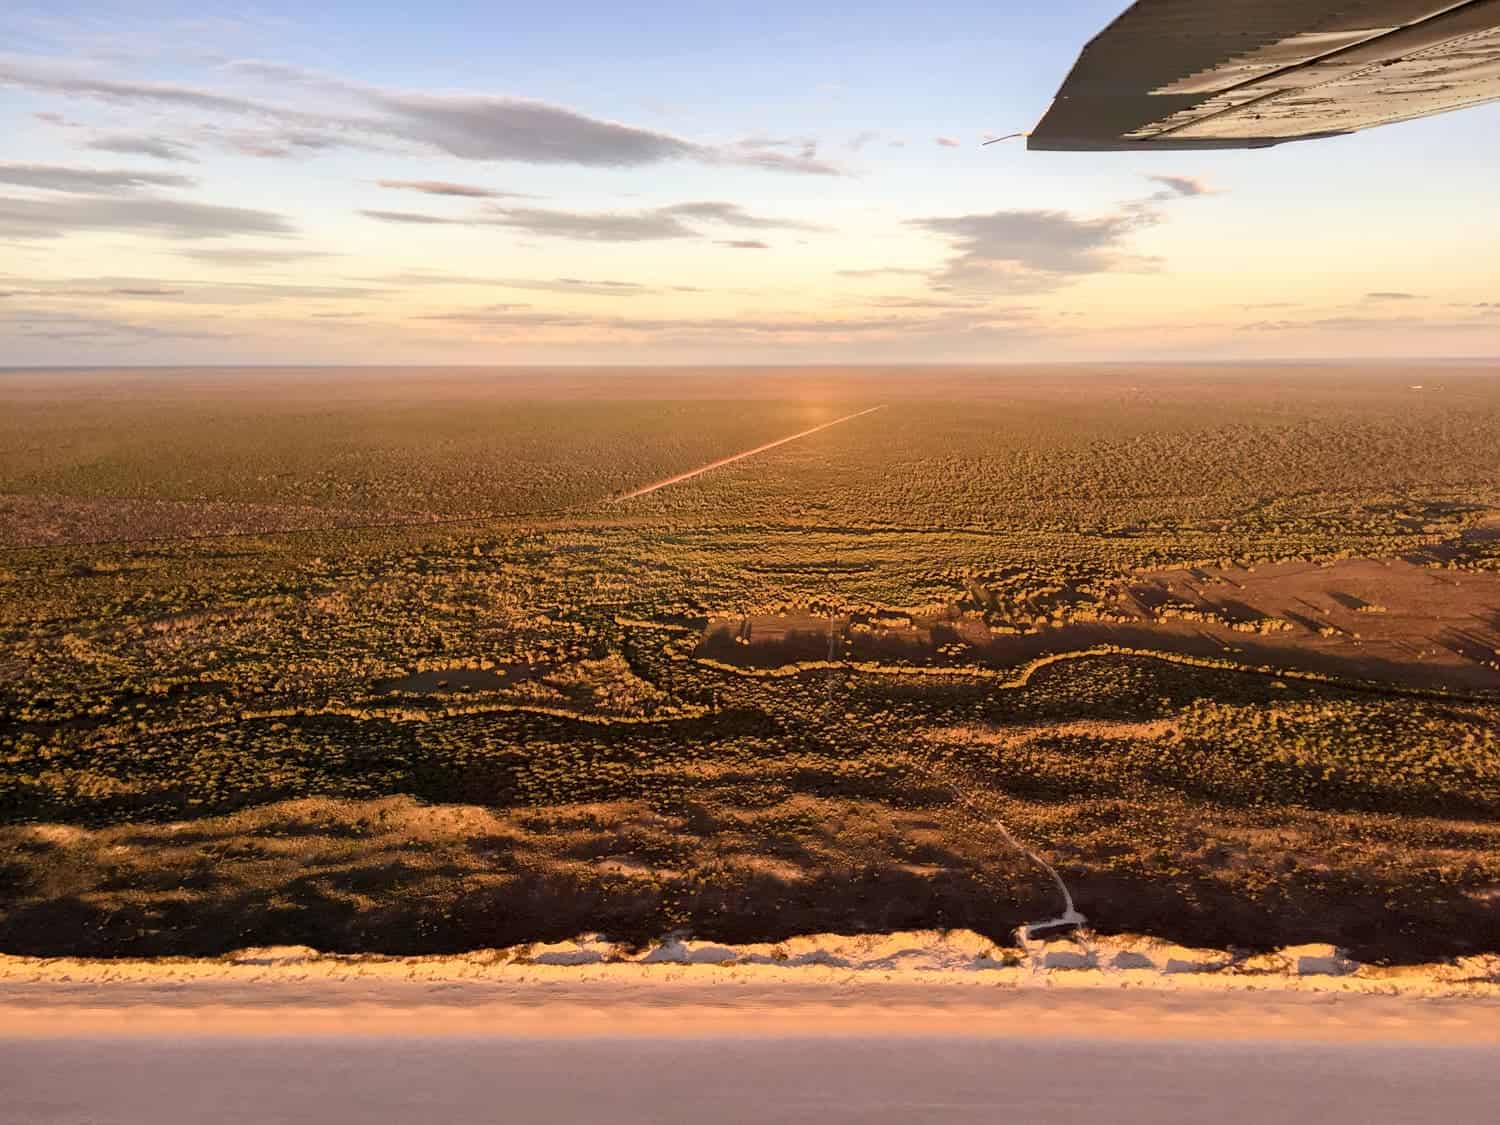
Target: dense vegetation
column 549, row 671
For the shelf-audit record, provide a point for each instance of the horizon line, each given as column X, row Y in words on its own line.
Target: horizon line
column 1274, row 361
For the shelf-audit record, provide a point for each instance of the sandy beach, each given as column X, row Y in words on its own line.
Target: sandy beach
column 884, row 1028
column 921, row 983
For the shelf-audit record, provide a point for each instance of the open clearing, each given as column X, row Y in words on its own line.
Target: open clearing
column 383, row 675
column 1359, row 620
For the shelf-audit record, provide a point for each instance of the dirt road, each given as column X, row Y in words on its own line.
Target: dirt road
column 719, row 464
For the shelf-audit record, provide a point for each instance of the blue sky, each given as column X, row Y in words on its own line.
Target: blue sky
column 681, row 183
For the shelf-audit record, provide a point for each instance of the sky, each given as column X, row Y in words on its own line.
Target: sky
column 682, row 182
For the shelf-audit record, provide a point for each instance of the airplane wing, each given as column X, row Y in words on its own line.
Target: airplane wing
column 1252, row 73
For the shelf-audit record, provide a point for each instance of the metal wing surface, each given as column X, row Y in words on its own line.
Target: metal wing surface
column 1252, row 73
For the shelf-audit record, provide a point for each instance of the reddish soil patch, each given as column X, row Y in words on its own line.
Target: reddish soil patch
column 1382, row 619
column 1388, row 621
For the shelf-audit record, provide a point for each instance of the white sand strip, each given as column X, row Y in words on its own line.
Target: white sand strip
column 925, row 983
column 693, row 1008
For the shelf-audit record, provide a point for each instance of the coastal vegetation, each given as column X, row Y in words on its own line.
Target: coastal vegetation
column 388, row 668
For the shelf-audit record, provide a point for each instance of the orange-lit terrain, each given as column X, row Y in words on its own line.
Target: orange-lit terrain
column 433, row 661
column 1409, row 625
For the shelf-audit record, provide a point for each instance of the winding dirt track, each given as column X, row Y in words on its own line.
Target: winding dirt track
column 719, row 464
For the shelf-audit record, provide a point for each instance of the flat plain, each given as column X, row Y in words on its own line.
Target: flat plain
column 384, row 660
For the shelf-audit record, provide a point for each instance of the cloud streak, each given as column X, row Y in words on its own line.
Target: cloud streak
column 250, row 255
column 1182, row 187
column 166, row 218
column 233, row 293
column 680, row 220
column 73, row 327
column 1369, row 324
column 47, row 76
column 415, row 218
column 513, row 321
column 783, row 154
column 589, row 287
column 593, row 226
column 884, row 271
column 529, row 132
column 88, row 181
column 733, row 215
column 468, row 126
column 443, row 187
column 572, row 285
column 157, row 148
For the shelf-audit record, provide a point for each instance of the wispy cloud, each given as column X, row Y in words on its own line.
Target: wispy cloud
column 179, row 291
column 782, row 154
column 283, row 74
column 656, row 224
column 593, row 226
column 1371, row 324
column 899, row 302
column 510, row 316
column 62, row 77
column 783, row 162
column 579, row 285
column 949, row 142
column 443, row 187
column 584, row 226
column 745, row 244
column 280, row 143
column 1391, row 295
column 415, row 218
column 884, row 271
column 158, row 148
column 75, row 327
column 167, row 218
column 504, row 320
column 89, row 181
column 250, row 255
column 733, row 215
column 1182, row 187
column 572, row 285
column 516, row 129
column 467, row 126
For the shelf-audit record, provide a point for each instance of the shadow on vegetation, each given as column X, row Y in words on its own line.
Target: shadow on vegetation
column 1231, row 630
column 426, row 891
